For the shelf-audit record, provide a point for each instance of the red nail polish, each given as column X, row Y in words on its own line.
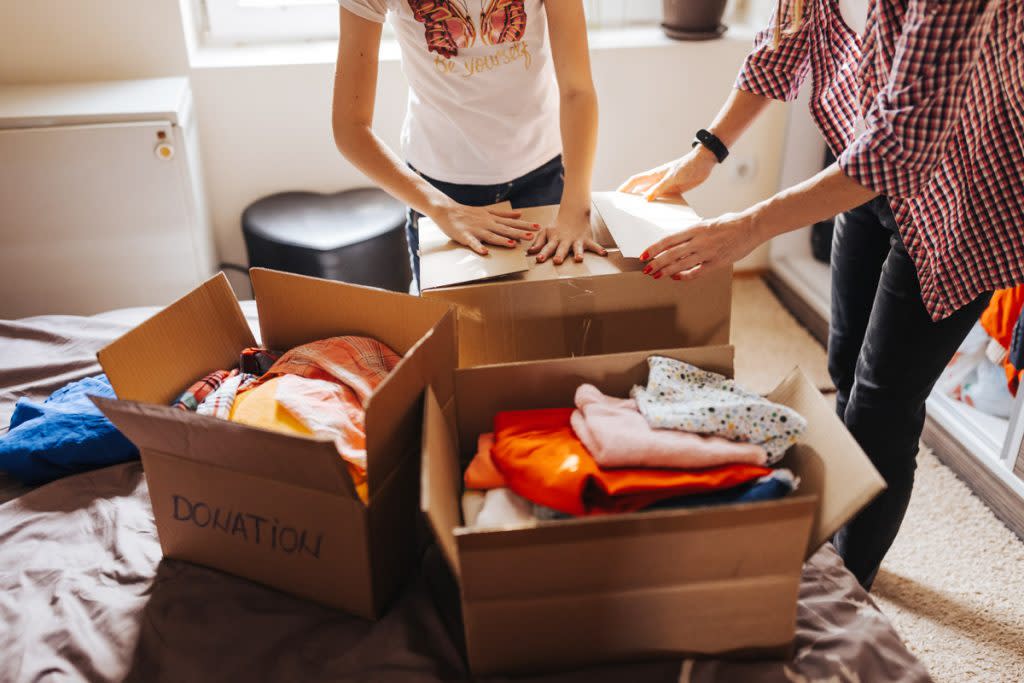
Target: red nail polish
column 677, row 276
column 657, row 275
column 529, row 236
column 647, row 270
column 536, row 226
column 511, row 243
column 644, row 256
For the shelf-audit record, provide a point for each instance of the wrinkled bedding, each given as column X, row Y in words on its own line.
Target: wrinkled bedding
column 85, row 594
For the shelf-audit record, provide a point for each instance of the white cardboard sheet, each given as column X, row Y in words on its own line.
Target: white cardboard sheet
column 636, row 223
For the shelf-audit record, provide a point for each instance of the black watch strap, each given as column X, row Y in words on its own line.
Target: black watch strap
column 711, row 141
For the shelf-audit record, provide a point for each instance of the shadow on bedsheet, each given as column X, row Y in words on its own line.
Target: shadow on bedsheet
column 201, row 625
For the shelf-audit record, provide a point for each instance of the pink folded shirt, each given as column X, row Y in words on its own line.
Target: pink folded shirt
column 617, row 435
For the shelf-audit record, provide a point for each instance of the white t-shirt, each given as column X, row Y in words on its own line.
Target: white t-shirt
column 483, row 101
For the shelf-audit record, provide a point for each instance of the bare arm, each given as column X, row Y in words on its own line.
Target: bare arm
column 722, row 241
column 567, row 29
column 740, row 110
column 355, row 88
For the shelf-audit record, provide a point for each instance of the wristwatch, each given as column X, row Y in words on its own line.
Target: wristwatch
column 711, row 141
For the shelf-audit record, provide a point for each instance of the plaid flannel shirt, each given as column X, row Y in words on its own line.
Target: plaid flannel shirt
column 939, row 87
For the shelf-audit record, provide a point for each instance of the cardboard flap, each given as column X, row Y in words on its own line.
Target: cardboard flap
column 636, row 223
column 394, row 411
column 553, row 383
column 440, row 478
column 848, row 480
column 203, row 331
column 625, row 552
column 296, row 310
column 444, row 262
column 212, row 441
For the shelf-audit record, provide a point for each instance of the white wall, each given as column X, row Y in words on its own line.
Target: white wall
column 52, row 41
column 267, row 129
column 264, row 125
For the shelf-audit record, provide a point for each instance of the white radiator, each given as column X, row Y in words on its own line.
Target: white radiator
column 101, row 199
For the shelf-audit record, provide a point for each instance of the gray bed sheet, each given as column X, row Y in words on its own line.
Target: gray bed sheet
column 86, row 595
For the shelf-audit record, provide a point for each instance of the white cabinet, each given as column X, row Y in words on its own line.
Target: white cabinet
column 101, row 202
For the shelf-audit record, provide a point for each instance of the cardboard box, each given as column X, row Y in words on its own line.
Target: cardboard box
column 600, row 306
column 634, row 586
column 275, row 508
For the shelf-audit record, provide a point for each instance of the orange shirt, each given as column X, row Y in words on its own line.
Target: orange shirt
column 542, row 460
column 999, row 320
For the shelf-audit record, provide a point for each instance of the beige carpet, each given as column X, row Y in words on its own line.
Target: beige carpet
column 953, row 583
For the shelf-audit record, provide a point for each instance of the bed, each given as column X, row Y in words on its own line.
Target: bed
column 86, row 595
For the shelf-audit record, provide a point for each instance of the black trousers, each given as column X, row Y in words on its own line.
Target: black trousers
column 885, row 354
column 540, row 187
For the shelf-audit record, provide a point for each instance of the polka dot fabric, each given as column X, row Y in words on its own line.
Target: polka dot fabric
column 683, row 397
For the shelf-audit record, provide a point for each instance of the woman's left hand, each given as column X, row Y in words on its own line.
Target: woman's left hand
column 565, row 235
column 709, row 244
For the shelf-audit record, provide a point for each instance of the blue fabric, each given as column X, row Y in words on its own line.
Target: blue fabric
column 771, row 487
column 66, row 434
column 1016, row 357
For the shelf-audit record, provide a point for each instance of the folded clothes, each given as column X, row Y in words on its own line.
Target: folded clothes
column 684, row 397
column 482, row 474
column 544, row 461
column 65, row 434
column 219, row 403
column 198, row 392
column 774, row 486
column 617, row 435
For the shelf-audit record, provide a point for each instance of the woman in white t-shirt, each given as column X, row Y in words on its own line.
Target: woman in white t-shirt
column 500, row 93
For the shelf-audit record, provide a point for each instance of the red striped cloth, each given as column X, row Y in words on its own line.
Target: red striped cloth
column 940, row 87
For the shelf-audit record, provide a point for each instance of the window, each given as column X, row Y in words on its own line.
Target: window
column 255, row 21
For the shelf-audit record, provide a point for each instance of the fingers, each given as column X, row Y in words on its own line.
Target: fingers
column 524, row 226
column 663, row 187
column 505, row 213
column 657, row 265
column 561, row 252
column 639, row 181
column 538, row 242
column 547, row 251
column 683, row 263
column 591, row 245
column 497, row 239
column 510, row 232
column 670, row 241
column 696, row 271
column 577, row 251
column 474, row 244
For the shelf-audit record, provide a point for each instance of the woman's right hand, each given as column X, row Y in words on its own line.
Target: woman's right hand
column 473, row 226
column 675, row 177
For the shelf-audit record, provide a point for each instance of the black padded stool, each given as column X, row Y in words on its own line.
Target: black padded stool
column 354, row 236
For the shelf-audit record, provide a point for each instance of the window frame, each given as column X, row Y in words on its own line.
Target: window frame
column 246, row 22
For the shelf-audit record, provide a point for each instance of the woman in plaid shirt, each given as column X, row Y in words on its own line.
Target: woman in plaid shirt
column 924, row 109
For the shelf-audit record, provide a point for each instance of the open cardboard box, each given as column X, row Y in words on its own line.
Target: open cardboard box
column 634, row 586
column 602, row 305
column 275, row 508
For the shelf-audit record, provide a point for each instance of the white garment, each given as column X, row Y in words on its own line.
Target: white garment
column 684, row 397
column 483, row 101
column 503, row 508
column 855, row 14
